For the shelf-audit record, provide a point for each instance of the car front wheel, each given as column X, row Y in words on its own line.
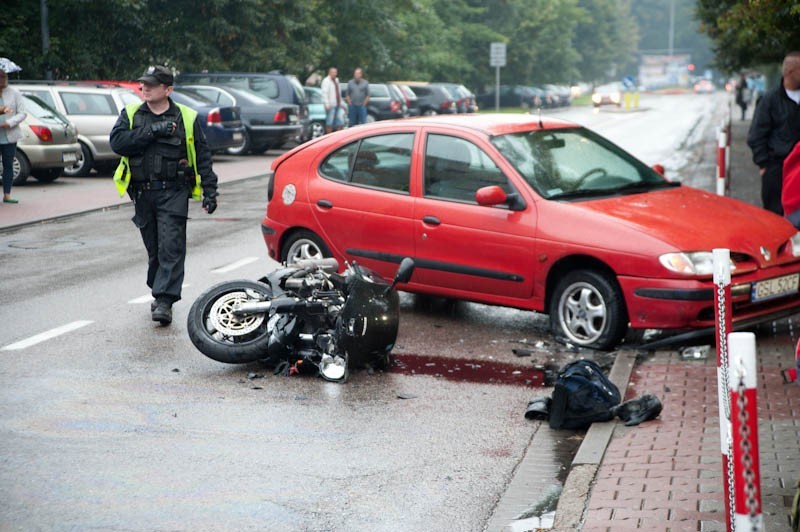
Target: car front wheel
column 587, row 309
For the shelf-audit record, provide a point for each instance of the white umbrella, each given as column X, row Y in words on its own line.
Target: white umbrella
column 8, row 66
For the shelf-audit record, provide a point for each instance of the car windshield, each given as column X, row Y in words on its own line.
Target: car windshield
column 574, row 163
column 42, row 111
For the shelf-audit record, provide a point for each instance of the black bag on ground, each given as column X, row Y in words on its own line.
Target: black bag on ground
column 582, row 395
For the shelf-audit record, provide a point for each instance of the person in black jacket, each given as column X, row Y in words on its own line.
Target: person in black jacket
column 157, row 160
column 774, row 131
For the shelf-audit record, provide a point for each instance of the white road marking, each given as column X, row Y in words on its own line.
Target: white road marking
column 238, row 264
column 52, row 333
column 148, row 298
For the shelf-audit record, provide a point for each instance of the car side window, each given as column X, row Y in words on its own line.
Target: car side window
column 337, row 165
column 88, row 104
column 456, row 168
column 129, row 98
column 382, row 161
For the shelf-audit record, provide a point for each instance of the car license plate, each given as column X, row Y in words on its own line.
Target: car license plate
column 69, row 157
column 237, row 137
column 777, row 287
column 293, row 119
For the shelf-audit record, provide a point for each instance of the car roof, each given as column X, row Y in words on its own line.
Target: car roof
column 490, row 123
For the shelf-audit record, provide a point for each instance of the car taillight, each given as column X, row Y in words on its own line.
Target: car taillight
column 394, row 106
column 214, row 117
column 446, row 104
column 44, row 133
column 280, row 116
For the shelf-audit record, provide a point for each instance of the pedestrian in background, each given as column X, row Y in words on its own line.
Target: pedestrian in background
column 12, row 112
column 775, row 130
column 357, row 98
column 165, row 161
column 742, row 94
column 332, row 99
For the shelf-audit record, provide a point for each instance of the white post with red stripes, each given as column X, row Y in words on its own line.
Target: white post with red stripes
column 722, row 325
column 722, row 161
column 743, row 382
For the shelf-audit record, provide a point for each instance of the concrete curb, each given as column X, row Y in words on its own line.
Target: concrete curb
column 575, row 495
column 533, row 475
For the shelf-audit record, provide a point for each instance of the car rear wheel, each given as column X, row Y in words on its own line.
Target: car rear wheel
column 22, row 168
column 244, row 148
column 83, row 165
column 587, row 308
column 47, row 175
column 317, row 129
column 428, row 112
column 304, row 245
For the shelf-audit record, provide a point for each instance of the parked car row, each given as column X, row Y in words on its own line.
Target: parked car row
column 527, row 97
column 240, row 112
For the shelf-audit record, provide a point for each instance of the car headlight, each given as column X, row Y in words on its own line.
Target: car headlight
column 795, row 243
column 690, row 263
column 596, row 98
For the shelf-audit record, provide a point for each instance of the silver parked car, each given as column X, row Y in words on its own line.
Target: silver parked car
column 49, row 141
column 93, row 108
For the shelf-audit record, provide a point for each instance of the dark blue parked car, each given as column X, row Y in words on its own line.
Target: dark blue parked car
column 221, row 124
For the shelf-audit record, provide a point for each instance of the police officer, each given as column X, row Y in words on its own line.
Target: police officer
column 165, row 160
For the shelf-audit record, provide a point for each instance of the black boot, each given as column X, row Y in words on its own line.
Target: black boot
column 162, row 312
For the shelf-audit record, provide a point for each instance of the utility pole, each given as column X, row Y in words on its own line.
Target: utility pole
column 46, row 40
column 671, row 27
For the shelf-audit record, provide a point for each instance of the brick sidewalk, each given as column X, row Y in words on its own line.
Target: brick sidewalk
column 667, row 474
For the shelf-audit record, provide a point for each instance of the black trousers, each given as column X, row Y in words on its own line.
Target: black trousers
column 161, row 218
column 771, row 184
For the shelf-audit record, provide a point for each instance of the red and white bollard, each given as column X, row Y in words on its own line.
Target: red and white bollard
column 743, row 382
column 722, row 325
column 722, row 162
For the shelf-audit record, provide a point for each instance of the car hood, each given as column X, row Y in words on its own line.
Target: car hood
column 689, row 219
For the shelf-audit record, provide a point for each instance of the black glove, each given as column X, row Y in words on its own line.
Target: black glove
column 162, row 129
column 210, row 202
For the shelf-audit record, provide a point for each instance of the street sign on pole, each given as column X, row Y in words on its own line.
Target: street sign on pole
column 497, row 54
column 497, row 59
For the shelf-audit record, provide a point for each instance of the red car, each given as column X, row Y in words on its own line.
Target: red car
column 505, row 210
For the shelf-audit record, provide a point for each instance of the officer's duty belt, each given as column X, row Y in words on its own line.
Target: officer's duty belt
column 160, row 185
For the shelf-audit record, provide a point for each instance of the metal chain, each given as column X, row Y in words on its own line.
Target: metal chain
column 747, row 458
column 726, row 402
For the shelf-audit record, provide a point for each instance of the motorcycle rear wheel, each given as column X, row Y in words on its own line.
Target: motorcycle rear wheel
column 221, row 335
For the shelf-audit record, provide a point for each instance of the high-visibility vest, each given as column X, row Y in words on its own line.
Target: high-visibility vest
column 122, row 177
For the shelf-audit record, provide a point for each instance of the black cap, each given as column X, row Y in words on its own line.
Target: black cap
column 156, row 75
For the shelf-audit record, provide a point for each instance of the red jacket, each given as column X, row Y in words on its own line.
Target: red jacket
column 790, row 192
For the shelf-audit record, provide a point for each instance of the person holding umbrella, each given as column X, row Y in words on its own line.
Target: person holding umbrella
column 12, row 112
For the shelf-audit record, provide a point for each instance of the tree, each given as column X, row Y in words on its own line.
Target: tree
column 747, row 33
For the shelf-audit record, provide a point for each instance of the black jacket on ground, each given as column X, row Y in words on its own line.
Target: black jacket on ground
column 133, row 142
column 775, row 128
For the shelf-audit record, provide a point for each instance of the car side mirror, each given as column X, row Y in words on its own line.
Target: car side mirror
column 495, row 195
column 659, row 169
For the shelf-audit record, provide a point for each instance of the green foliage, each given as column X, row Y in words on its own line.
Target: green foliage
column 549, row 41
column 750, row 32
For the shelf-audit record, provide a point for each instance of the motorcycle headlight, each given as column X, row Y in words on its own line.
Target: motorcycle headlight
column 690, row 263
column 795, row 243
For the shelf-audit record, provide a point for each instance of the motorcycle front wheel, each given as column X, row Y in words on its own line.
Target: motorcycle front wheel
column 222, row 335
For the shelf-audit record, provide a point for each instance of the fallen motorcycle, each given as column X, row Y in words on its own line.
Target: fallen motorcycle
column 302, row 315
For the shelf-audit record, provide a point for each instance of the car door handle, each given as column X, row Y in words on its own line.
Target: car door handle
column 325, row 204
column 431, row 220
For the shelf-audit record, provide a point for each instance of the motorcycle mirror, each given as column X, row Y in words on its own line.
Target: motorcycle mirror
column 405, row 270
column 403, row 274
column 333, row 368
